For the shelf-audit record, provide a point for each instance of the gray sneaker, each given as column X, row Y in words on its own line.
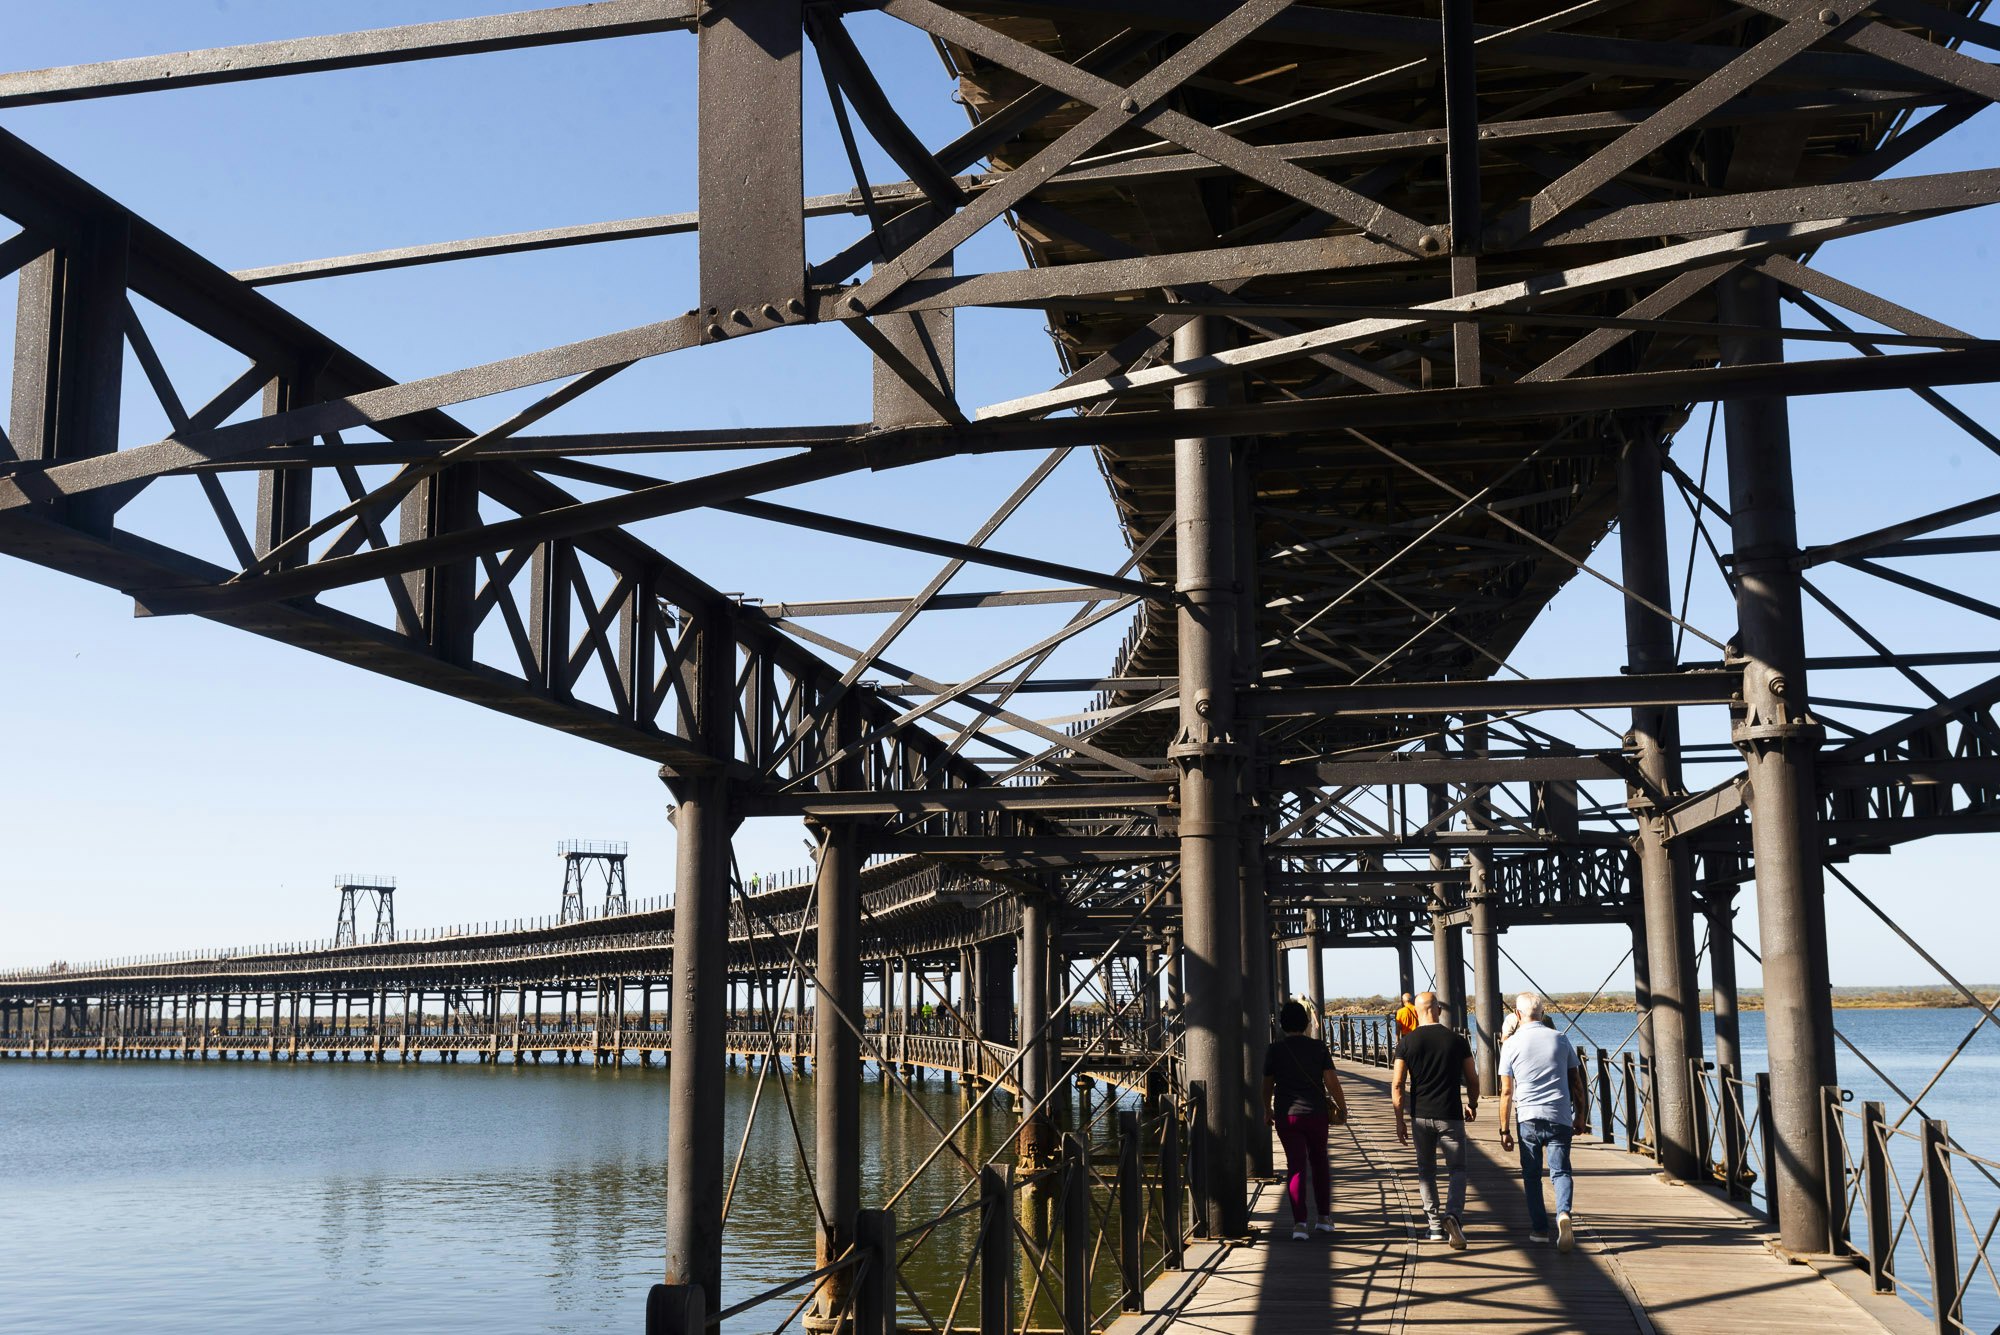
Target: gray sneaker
column 1538, row 1237
column 1454, row 1233
column 1565, row 1233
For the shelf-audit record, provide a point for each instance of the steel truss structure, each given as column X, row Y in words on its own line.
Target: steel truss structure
column 1364, row 402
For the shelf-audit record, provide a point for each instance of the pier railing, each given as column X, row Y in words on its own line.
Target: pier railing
column 1916, row 1209
column 1055, row 1240
column 1909, row 1204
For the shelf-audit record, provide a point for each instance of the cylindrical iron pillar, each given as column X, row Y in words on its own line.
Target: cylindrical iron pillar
column 1665, row 874
column 1485, row 1012
column 1255, row 947
column 1779, row 738
column 1038, row 1141
column 1315, row 969
column 836, row 1043
column 696, row 1158
column 1205, row 749
column 1720, row 906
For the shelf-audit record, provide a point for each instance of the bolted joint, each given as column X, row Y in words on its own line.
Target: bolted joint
column 1199, row 738
column 1803, row 732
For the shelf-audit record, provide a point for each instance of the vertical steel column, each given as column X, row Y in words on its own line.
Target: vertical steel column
column 1254, row 947
column 1642, row 971
column 1038, row 1135
column 836, row 1044
column 1779, row 740
column 1483, row 1011
column 1445, row 950
column 696, row 1158
column 1406, row 964
column 1315, row 969
column 1206, row 752
column 1666, row 875
column 1720, row 906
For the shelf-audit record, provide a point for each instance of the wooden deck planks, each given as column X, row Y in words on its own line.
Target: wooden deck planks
column 1651, row 1256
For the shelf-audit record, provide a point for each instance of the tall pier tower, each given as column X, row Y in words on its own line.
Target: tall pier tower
column 585, row 860
column 354, row 891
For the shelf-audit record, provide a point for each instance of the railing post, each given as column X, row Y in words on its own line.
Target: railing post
column 1733, row 1147
column 1770, row 1143
column 1131, row 1213
column 996, row 1251
column 875, row 1290
column 1173, row 1207
column 1835, row 1167
column 1698, row 1104
column 1631, row 1104
column 1607, row 1125
column 1075, row 1238
column 1945, row 1298
column 1875, row 1182
column 1197, row 1125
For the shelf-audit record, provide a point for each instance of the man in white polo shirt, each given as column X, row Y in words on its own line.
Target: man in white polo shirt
column 1541, row 1090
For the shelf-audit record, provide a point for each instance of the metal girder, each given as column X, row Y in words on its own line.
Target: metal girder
column 1051, row 797
column 1415, row 768
column 350, row 50
column 1499, row 696
column 643, row 612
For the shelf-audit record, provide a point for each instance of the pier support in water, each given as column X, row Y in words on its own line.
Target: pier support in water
column 1666, row 873
column 1038, row 1137
column 836, row 1040
column 703, row 823
column 1779, row 740
column 1207, row 754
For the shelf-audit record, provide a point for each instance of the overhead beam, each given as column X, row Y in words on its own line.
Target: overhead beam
column 1713, row 686
column 349, row 50
column 1048, row 797
column 1402, row 768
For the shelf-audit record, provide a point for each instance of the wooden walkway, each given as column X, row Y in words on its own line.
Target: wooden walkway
column 1651, row 1257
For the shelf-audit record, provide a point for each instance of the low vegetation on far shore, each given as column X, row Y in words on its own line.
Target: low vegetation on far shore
column 1749, row 999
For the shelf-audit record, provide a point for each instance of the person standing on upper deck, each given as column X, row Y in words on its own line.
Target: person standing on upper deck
column 1435, row 1063
column 1541, row 1089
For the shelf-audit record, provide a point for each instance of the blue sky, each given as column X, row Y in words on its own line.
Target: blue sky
column 181, row 784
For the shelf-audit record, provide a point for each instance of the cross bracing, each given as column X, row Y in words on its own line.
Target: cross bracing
column 1376, row 322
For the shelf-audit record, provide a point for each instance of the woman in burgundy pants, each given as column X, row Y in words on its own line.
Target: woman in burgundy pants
column 1302, row 1096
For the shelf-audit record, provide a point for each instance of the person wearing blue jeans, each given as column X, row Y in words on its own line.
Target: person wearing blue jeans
column 1542, row 1102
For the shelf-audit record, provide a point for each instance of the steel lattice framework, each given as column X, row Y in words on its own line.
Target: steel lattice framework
column 1364, row 404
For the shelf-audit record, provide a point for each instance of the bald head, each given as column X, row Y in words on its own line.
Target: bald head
column 1428, row 1010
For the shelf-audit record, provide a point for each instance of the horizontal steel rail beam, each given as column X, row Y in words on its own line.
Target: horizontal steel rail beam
column 349, row 50
column 1717, row 686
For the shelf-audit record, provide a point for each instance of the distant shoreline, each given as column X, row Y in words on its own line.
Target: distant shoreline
column 1749, row 999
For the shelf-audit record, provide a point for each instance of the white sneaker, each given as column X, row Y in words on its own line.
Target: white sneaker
column 1324, row 1226
column 1299, row 1233
column 1565, row 1233
column 1435, row 1235
column 1454, row 1233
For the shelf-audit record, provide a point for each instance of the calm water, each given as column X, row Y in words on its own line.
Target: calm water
column 172, row 1197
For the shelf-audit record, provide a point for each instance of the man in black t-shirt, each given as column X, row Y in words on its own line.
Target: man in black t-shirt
column 1433, row 1063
